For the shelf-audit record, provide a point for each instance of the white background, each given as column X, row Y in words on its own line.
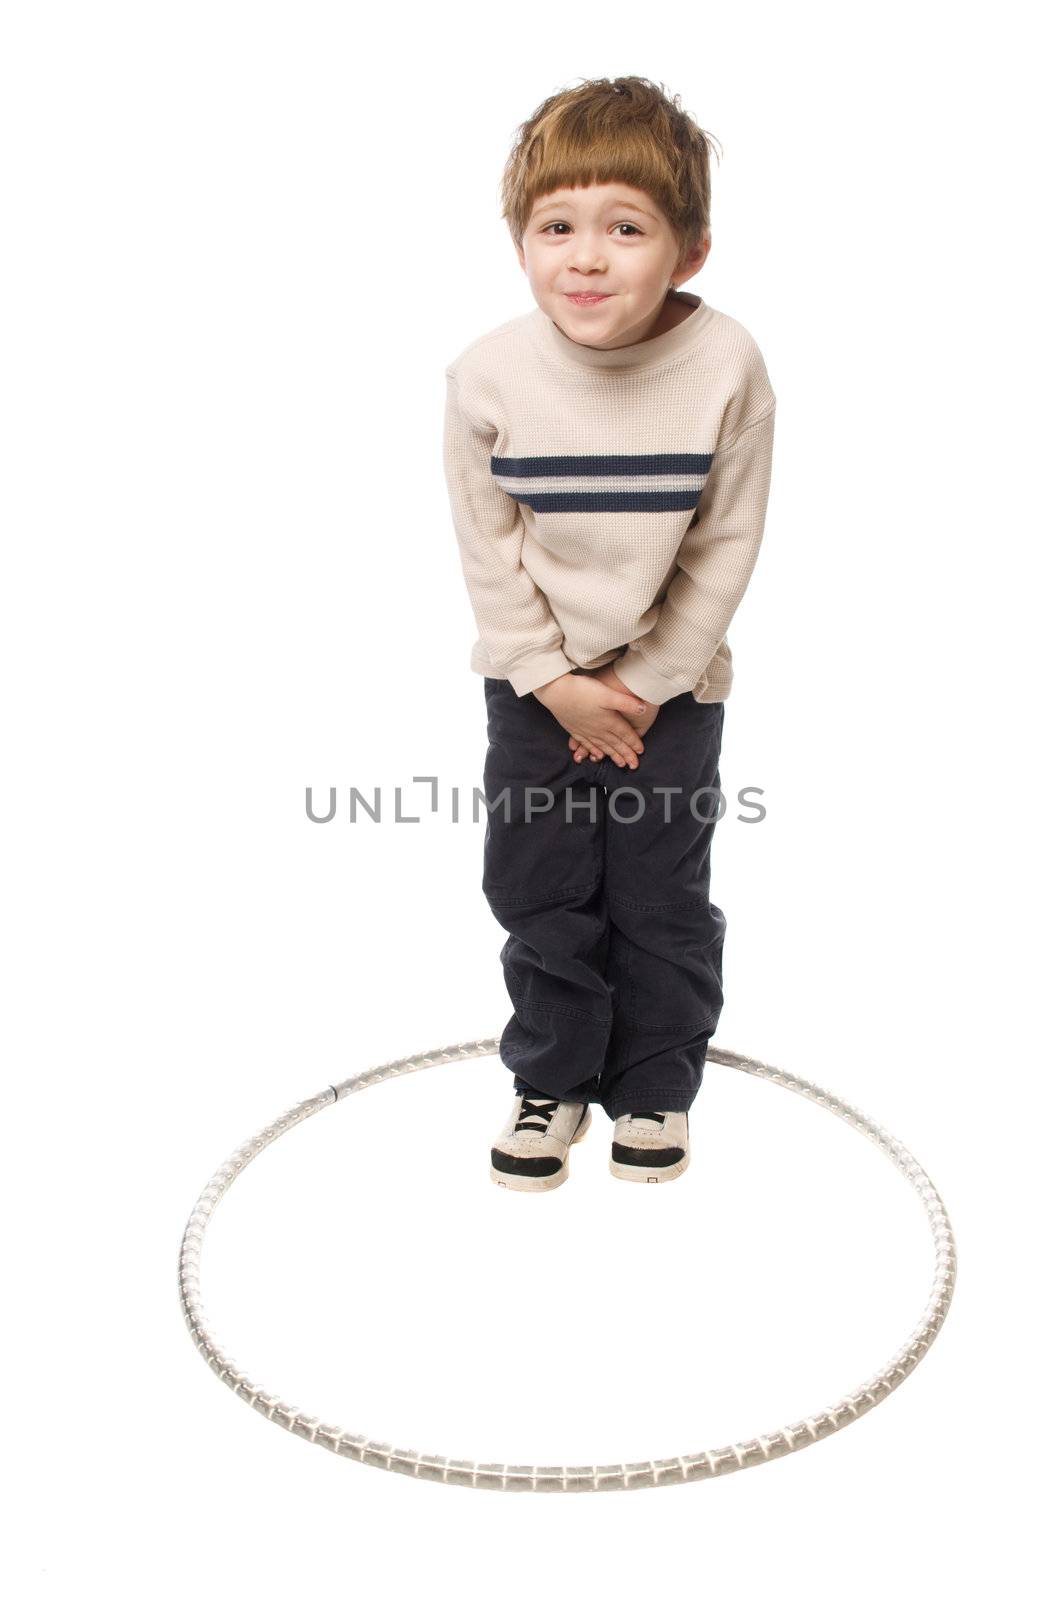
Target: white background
column 242, row 243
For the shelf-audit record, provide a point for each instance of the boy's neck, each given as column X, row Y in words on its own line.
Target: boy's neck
column 673, row 312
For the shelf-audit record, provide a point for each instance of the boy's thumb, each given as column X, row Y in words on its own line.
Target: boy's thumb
column 629, row 702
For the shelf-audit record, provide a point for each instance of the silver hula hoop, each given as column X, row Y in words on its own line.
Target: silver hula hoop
column 619, row 1475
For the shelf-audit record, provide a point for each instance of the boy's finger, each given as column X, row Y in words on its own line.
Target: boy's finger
column 625, row 732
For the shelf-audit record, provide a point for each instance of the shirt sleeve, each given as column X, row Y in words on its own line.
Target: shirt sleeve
column 714, row 565
column 520, row 632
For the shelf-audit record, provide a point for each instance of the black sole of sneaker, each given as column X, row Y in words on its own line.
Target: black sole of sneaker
column 644, row 1173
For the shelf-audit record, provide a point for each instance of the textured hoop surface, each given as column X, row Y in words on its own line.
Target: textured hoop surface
column 619, row 1475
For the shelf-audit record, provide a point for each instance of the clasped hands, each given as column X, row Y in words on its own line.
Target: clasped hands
column 601, row 716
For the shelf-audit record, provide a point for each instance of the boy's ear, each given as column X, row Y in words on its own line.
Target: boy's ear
column 694, row 259
column 520, row 255
column 695, row 256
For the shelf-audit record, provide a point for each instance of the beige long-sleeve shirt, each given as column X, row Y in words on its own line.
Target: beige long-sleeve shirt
column 609, row 505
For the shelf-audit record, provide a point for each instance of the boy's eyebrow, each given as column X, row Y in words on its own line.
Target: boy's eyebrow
column 623, row 205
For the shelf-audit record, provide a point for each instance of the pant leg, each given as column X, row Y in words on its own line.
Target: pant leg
column 665, row 962
column 543, row 871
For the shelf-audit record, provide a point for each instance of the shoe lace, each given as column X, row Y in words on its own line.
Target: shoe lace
column 650, row 1116
column 535, row 1113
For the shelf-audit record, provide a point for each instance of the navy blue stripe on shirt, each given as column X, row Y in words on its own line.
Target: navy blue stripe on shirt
column 596, row 466
column 613, row 500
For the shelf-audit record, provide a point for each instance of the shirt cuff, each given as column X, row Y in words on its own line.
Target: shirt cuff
column 636, row 674
column 539, row 670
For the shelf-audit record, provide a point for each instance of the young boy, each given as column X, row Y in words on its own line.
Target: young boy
column 608, row 459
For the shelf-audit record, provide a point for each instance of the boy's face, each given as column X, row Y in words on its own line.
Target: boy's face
column 609, row 241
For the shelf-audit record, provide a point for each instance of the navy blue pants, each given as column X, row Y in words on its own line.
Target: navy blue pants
column 600, row 875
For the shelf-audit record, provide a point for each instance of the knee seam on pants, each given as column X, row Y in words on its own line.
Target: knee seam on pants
column 566, row 1011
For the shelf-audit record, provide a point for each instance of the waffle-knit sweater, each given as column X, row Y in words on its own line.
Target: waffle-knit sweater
column 609, row 505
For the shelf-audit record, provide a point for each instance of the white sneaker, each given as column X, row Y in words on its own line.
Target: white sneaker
column 531, row 1152
column 650, row 1146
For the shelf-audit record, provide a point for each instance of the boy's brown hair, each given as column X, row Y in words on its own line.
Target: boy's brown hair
column 612, row 130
